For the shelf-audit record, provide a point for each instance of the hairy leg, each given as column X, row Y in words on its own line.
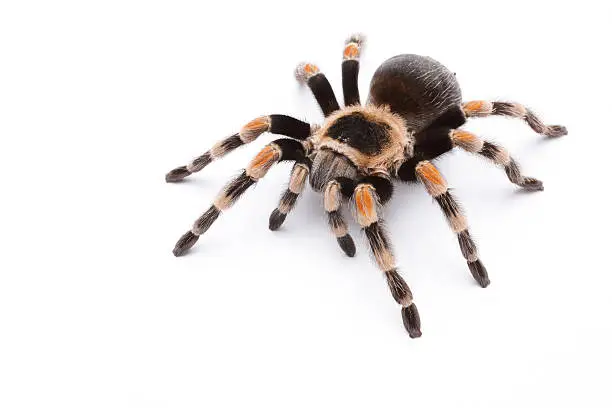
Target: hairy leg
column 496, row 154
column 514, row 110
column 436, row 186
column 332, row 200
column 299, row 174
column 279, row 150
column 367, row 204
column 350, row 69
column 319, row 85
column 278, row 124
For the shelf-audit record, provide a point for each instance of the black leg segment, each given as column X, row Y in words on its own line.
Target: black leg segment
column 319, row 85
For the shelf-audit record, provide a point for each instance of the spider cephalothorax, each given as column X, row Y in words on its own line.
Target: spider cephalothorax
column 371, row 137
column 413, row 115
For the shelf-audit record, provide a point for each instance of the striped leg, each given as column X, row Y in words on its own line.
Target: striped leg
column 319, row 85
column 498, row 155
column 515, row 110
column 350, row 69
column 436, row 186
column 279, row 150
column 278, row 124
column 367, row 203
column 299, row 174
column 332, row 200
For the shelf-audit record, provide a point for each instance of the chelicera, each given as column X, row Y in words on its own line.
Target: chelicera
column 413, row 114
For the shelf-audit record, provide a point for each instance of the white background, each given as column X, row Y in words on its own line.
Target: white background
column 98, row 100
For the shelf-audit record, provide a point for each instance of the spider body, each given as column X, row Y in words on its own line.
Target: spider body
column 372, row 138
column 414, row 114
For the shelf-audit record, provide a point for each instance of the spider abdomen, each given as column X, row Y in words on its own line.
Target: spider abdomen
column 416, row 87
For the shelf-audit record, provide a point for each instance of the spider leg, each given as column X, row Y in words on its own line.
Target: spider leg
column 350, row 69
column 367, row 203
column 310, row 74
column 442, row 136
column 515, row 110
column 497, row 154
column 332, row 200
column 299, row 174
column 279, row 150
column 432, row 142
column 278, row 124
column 436, row 186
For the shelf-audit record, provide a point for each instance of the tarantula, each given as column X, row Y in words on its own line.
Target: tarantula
column 413, row 114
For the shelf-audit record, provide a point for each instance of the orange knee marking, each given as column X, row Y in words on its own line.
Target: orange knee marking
column 260, row 123
column 311, row 69
column 265, row 159
column 254, row 128
column 266, row 155
column 431, row 178
column 478, row 108
column 466, row 140
column 463, row 136
column 430, row 173
column 365, row 203
column 474, row 106
column 351, row 51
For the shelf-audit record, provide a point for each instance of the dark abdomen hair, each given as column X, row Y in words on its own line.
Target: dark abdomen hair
column 417, row 88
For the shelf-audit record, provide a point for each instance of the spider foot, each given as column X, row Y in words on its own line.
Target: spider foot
column 276, row 219
column 177, row 174
column 531, row 184
column 347, row 245
column 412, row 320
column 353, row 47
column 357, row 38
column 555, row 131
column 479, row 272
column 304, row 71
column 184, row 243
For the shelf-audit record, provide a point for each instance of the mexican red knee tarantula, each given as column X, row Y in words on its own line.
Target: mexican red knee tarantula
column 413, row 114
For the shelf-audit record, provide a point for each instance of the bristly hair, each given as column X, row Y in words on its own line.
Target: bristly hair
column 390, row 150
column 399, row 289
column 357, row 38
column 304, row 71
